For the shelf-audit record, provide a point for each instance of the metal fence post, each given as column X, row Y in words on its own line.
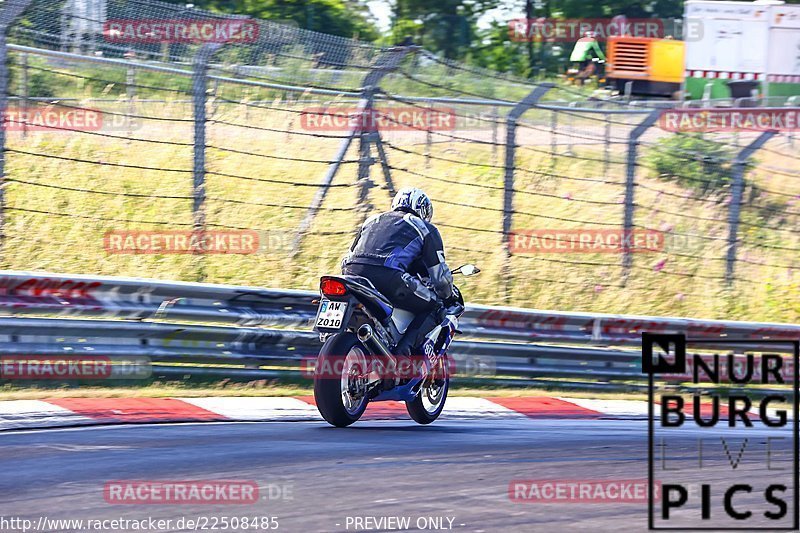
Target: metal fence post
column 215, row 98
column 495, row 120
column 130, row 84
column 572, row 119
column 9, row 12
column 737, row 190
column 428, row 136
column 387, row 171
column 790, row 102
column 384, row 65
column 630, row 185
column 508, row 186
column 553, row 142
column 130, row 91
column 199, row 90
column 607, row 144
column 24, row 88
column 365, row 159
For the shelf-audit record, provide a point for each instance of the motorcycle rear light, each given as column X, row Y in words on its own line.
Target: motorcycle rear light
column 332, row 287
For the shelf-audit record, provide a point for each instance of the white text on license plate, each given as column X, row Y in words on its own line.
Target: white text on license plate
column 331, row 314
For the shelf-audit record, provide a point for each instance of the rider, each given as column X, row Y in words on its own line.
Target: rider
column 391, row 249
column 585, row 50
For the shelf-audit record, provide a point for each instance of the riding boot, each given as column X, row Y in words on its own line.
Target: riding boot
column 415, row 334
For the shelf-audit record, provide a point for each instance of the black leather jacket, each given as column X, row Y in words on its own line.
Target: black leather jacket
column 402, row 241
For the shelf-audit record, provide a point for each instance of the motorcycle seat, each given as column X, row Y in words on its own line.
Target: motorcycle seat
column 360, row 280
column 367, row 288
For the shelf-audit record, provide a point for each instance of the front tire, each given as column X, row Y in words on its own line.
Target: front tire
column 337, row 401
column 429, row 403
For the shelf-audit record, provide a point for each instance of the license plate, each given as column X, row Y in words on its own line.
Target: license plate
column 331, row 314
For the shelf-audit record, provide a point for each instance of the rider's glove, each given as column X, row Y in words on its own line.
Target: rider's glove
column 453, row 300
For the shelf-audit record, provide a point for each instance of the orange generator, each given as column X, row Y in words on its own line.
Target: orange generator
column 653, row 66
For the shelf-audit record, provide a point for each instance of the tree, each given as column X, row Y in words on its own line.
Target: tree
column 347, row 18
column 495, row 51
column 530, row 13
column 444, row 26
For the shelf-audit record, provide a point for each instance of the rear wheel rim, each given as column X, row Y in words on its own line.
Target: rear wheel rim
column 353, row 381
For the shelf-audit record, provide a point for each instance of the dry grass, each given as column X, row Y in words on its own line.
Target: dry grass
column 673, row 282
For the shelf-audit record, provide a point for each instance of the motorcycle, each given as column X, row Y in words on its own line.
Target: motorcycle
column 359, row 328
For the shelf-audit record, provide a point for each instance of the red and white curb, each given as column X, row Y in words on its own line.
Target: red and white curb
column 29, row 414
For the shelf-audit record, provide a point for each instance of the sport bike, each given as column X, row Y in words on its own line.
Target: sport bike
column 359, row 329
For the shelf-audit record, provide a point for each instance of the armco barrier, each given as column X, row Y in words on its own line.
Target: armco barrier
column 236, row 331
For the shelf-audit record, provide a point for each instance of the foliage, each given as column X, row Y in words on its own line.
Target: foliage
column 335, row 17
column 693, row 161
column 455, row 29
column 448, row 26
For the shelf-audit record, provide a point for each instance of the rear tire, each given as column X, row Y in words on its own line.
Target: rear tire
column 341, row 351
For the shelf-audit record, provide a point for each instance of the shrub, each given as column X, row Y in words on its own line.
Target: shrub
column 693, row 161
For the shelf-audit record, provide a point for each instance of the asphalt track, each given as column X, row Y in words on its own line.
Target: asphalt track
column 456, row 469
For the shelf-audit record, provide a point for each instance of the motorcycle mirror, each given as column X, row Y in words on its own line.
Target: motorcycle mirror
column 467, row 270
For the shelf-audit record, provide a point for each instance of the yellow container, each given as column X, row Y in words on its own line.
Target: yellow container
column 666, row 60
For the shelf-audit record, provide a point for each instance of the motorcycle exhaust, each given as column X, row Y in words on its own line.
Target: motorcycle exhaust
column 367, row 336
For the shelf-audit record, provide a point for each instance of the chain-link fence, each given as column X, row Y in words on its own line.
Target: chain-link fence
column 134, row 119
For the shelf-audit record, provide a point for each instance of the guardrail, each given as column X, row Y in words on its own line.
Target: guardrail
column 253, row 332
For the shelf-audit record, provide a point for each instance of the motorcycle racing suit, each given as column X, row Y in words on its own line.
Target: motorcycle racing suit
column 391, row 250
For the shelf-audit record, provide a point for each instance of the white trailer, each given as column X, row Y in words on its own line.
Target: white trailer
column 757, row 42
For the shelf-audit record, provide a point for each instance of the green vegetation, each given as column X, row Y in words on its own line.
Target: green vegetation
column 335, row 17
column 450, row 28
column 694, row 162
